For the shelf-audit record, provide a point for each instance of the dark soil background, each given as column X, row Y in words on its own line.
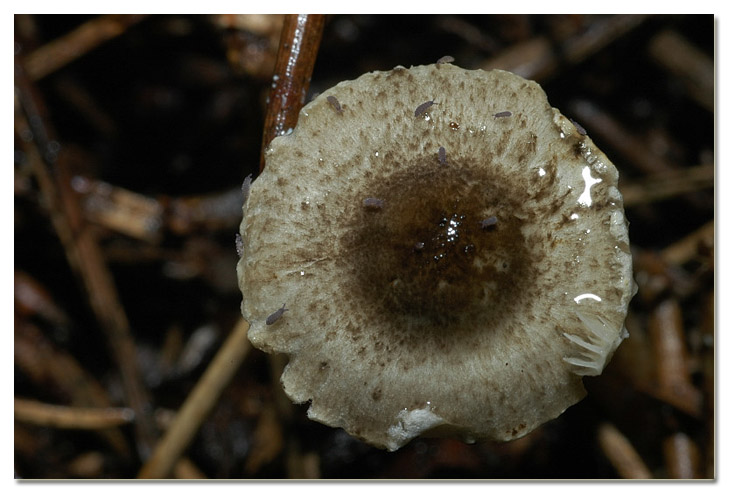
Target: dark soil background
column 155, row 127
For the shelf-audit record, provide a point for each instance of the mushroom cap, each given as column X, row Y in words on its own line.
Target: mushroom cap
column 464, row 294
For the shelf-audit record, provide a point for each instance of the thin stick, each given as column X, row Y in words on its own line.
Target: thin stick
column 531, row 59
column 624, row 458
column 691, row 66
column 78, row 96
column 610, row 131
column 300, row 38
column 600, row 35
column 538, row 59
column 198, row 404
column 83, row 418
column 672, row 370
column 667, row 185
column 120, row 209
column 186, row 470
column 268, row 439
column 207, row 212
column 682, row 457
column 145, row 218
column 683, row 250
column 32, row 298
column 61, row 51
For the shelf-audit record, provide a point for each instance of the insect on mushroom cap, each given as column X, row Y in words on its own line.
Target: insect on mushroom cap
column 413, row 319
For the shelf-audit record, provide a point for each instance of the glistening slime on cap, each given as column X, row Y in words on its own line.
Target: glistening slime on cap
column 452, row 253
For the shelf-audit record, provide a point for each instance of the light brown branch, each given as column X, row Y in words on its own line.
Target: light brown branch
column 683, row 250
column 120, row 210
column 682, row 457
column 602, row 125
column 60, row 52
column 667, row 185
column 538, row 59
column 622, row 455
column 186, row 470
column 83, row 418
column 668, row 340
column 695, row 69
column 199, row 404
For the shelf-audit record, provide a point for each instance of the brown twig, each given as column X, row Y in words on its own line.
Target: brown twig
column 60, row 52
column 145, row 218
column 87, row 465
column 624, row 458
column 120, row 210
column 31, row 298
column 673, row 380
column 600, row 34
column 85, row 104
column 186, row 470
column 538, row 59
column 601, row 124
column 682, row 457
column 268, row 439
column 669, row 184
column 300, row 38
column 657, row 278
column 83, row 418
column 531, row 59
column 691, row 66
column 458, row 26
column 686, row 248
column 221, row 210
column 198, row 404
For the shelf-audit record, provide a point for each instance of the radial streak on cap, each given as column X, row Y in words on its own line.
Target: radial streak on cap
column 411, row 317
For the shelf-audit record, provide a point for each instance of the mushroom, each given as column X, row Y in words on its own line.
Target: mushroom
column 418, row 319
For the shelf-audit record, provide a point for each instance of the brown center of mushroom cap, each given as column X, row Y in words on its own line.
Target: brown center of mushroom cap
column 426, row 251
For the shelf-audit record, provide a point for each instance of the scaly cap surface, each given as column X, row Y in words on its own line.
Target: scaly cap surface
column 454, row 268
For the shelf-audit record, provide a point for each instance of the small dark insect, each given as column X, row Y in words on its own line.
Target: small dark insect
column 421, row 109
column 335, row 104
column 446, row 59
column 502, row 114
column 274, row 317
column 246, row 187
column 419, row 246
column 488, row 222
column 442, row 155
column 579, row 128
column 373, row 203
column 239, row 245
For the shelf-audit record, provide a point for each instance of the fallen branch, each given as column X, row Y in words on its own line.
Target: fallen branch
column 84, row 418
